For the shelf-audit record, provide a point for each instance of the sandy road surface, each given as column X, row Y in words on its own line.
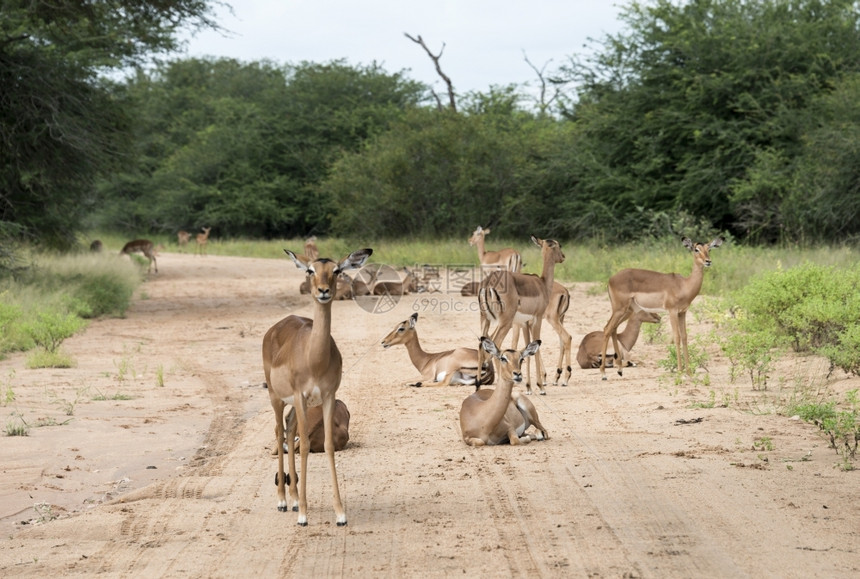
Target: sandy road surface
column 176, row 480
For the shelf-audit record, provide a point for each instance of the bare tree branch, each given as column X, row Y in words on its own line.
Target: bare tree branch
column 435, row 58
column 543, row 103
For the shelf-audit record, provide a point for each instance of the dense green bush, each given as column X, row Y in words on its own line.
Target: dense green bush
column 810, row 308
column 50, row 301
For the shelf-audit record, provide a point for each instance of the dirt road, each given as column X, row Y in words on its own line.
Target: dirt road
column 151, row 457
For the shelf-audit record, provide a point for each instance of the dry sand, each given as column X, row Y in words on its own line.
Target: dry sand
column 151, row 458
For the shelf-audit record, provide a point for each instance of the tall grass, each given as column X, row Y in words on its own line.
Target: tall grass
column 52, row 287
column 733, row 265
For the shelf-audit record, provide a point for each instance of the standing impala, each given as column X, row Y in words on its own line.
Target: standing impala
column 559, row 303
column 507, row 258
column 143, row 246
column 302, row 366
column 515, row 298
column 489, row 417
column 632, row 290
column 183, row 237
column 203, row 240
column 459, row 366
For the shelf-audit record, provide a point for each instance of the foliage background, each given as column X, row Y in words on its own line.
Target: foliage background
column 700, row 117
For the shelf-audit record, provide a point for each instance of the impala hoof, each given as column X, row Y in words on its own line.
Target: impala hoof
column 341, row 523
column 603, row 378
column 302, row 523
column 543, row 392
column 282, row 509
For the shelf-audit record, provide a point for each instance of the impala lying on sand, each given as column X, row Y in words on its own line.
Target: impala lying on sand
column 591, row 347
column 489, row 417
column 303, row 366
column 458, row 366
column 316, row 430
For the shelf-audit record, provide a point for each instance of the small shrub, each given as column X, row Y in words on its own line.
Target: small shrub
column 46, row 359
column 16, row 426
column 696, row 352
column 840, row 425
column 750, row 353
column 51, row 327
column 12, row 335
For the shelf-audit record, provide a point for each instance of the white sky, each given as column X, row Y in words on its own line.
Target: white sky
column 485, row 40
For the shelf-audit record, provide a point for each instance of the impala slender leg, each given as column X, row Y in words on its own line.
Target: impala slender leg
column 610, row 331
column 676, row 337
column 682, row 334
column 304, row 449
column 328, row 423
column 280, row 479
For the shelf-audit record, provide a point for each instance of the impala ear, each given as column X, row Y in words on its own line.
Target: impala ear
column 412, row 319
column 300, row 260
column 535, row 240
column 355, row 259
column 688, row 243
column 718, row 241
column 490, row 347
column 531, row 349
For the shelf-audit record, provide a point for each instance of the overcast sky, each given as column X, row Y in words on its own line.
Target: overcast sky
column 484, row 40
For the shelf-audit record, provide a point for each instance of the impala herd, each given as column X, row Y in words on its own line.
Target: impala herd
column 303, row 366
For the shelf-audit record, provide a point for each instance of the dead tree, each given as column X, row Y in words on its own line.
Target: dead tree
column 452, row 101
column 543, row 103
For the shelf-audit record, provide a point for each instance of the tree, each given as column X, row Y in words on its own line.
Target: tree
column 60, row 126
column 435, row 173
column 678, row 111
column 242, row 147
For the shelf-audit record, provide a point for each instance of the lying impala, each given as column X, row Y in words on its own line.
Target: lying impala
column 590, row 349
column 631, row 290
column 316, row 428
column 489, row 417
column 459, row 366
column 302, row 365
column 401, row 287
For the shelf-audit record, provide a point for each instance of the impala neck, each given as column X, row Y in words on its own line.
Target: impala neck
column 497, row 404
column 548, row 272
column 697, row 276
column 318, row 349
column 479, row 243
column 631, row 332
column 418, row 356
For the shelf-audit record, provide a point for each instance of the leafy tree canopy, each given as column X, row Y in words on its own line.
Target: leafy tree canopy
column 59, row 126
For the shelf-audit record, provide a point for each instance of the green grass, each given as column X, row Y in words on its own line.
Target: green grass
column 733, row 265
